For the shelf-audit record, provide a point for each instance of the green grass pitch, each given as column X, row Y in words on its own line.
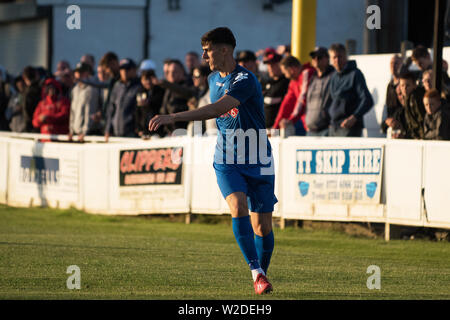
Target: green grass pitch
column 152, row 258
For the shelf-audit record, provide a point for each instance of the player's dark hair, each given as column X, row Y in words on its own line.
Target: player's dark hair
column 221, row 35
column 290, row 61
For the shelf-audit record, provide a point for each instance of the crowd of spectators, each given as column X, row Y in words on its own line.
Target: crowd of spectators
column 326, row 96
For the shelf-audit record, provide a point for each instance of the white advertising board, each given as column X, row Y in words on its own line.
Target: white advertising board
column 330, row 178
column 150, row 177
column 44, row 174
column 3, row 170
column 403, row 174
column 437, row 183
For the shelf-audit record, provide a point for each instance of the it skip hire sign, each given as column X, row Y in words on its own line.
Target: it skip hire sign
column 339, row 175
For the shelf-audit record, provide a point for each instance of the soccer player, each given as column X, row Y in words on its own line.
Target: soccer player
column 243, row 164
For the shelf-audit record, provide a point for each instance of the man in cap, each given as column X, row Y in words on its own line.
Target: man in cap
column 84, row 104
column 318, row 97
column 146, row 65
column 121, row 108
column 275, row 87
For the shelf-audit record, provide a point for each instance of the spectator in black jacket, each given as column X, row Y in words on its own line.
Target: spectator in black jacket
column 392, row 102
column 121, row 109
column 274, row 88
column 177, row 94
column 32, row 96
column 149, row 101
column 6, row 92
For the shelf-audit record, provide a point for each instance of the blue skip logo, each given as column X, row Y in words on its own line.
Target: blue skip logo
column 371, row 187
column 304, row 187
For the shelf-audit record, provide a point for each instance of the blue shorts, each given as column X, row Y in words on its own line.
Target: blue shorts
column 248, row 179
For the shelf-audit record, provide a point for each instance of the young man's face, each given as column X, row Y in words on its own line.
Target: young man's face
column 175, row 73
column 426, row 80
column 274, row 70
column 431, row 104
column 395, row 65
column 338, row 60
column 407, row 86
column 320, row 62
column 191, row 61
column 214, row 55
column 127, row 74
column 147, row 82
column 290, row 72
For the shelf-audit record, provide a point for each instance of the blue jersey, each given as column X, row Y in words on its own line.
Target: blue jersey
column 242, row 137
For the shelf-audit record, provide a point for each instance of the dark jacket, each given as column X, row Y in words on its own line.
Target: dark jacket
column 319, row 101
column 32, row 96
column 121, row 108
column 151, row 106
column 437, row 125
column 392, row 103
column 6, row 92
column 415, row 113
column 349, row 94
column 399, row 116
column 273, row 92
column 175, row 100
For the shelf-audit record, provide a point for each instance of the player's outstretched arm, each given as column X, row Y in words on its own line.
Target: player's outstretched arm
column 213, row 110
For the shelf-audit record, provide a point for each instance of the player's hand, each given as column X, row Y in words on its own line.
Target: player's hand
column 160, row 120
column 349, row 122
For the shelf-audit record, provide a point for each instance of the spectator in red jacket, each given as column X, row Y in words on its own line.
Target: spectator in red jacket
column 293, row 108
column 52, row 112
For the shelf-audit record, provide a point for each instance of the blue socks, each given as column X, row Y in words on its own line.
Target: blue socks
column 257, row 250
column 243, row 232
column 264, row 248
